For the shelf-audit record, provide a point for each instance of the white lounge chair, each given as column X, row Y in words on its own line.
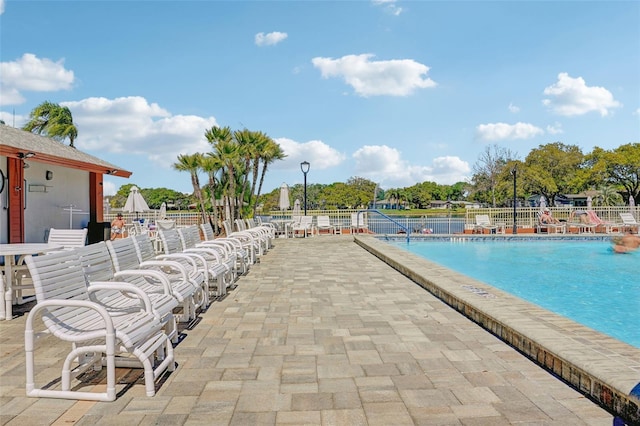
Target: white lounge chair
column 629, row 222
column 549, row 227
column 95, row 332
column 483, row 223
column 303, row 228
column 323, row 223
column 358, row 223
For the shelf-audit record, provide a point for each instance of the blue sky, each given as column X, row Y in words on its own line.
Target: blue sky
column 398, row 92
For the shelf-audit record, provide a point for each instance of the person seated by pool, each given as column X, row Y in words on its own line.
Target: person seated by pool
column 117, row 227
column 546, row 218
column 627, row 243
column 583, row 217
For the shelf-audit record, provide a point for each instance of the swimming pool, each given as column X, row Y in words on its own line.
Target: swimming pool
column 581, row 280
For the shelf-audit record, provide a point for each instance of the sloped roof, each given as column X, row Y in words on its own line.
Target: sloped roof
column 14, row 142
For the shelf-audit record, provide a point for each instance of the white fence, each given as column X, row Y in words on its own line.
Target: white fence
column 438, row 222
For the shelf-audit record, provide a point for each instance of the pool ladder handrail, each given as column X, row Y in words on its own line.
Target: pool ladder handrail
column 401, row 226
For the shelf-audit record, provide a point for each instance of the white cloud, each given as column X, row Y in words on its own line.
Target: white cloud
column 385, row 165
column 571, row 96
column 131, row 125
column 270, row 39
column 397, row 77
column 513, row 108
column 109, row 188
column 554, row 129
column 14, row 120
column 30, row 73
column 1, row 7
column 637, row 112
column 501, row 131
column 388, row 6
column 324, row 156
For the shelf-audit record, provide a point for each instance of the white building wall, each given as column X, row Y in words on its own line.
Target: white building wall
column 48, row 202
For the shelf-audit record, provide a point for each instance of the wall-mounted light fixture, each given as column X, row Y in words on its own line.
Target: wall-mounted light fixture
column 48, row 175
column 112, row 172
column 23, row 155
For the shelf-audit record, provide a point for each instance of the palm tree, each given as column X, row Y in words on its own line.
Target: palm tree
column 53, row 121
column 268, row 154
column 212, row 165
column 247, row 147
column 191, row 163
column 609, row 196
column 226, row 148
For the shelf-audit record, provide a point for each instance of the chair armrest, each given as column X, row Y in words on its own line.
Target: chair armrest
column 147, row 273
column 122, row 286
column 68, row 303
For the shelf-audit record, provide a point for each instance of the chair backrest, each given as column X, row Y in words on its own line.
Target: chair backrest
column 207, row 231
column 628, row 219
column 68, row 238
column 171, row 243
column 189, row 236
column 594, row 218
column 323, row 221
column 228, row 229
column 240, row 225
column 57, row 275
column 144, row 248
column 165, row 223
column 124, row 254
column 96, row 262
column 483, row 219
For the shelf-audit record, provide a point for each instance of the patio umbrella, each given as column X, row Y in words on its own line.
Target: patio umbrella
column 632, row 203
column 543, row 202
column 284, row 203
column 162, row 214
column 135, row 202
column 296, row 208
column 589, row 202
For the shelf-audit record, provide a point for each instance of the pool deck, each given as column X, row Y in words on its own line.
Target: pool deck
column 323, row 332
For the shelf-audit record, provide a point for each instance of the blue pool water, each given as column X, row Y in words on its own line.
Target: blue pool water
column 581, row 280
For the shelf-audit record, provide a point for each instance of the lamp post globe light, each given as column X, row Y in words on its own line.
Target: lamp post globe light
column 304, row 166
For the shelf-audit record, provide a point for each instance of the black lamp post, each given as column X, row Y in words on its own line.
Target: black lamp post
column 514, row 172
column 304, row 166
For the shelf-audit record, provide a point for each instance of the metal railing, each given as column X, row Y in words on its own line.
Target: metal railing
column 446, row 222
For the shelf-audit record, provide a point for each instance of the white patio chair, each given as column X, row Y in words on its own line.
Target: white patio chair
column 97, row 265
column 125, row 256
column 211, row 272
column 96, row 333
column 303, row 228
column 323, row 223
column 358, row 223
column 232, row 246
column 221, row 266
column 629, row 222
column 67, row 238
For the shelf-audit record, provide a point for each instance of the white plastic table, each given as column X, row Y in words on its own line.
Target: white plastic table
column 9, row 252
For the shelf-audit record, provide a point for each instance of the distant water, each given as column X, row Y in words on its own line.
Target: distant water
column 583, row 281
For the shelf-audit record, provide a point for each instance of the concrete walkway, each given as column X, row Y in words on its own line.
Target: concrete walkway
column 320, row 332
